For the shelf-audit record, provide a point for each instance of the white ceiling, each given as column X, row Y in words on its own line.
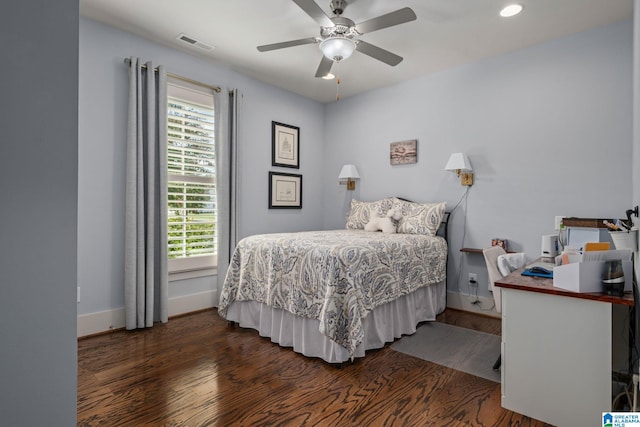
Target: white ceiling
column 447, row 33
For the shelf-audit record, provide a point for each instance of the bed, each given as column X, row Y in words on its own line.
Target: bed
column 335, row 294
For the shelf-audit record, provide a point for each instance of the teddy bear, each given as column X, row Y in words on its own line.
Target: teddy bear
column 386, row 224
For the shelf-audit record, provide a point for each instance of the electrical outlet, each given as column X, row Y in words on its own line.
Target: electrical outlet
column 558, row 221
column 473, row 279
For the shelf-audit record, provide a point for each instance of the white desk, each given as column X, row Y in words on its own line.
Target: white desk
column 556, row 351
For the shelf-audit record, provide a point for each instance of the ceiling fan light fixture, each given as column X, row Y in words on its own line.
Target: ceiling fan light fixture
column 511, row 10
column 337, row 48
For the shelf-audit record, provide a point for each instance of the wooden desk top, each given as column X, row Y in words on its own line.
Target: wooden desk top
column 543, row 285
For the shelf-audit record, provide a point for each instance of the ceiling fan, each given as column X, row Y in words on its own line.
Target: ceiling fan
column 339, row 36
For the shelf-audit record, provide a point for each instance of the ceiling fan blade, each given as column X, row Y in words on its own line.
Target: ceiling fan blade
column 290, row 43
column 314, row 11
column 325, row 67
column 400, row 16
column 378, row 53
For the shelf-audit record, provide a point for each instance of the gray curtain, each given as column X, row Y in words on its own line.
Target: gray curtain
column 226, row 107
column 146, row 277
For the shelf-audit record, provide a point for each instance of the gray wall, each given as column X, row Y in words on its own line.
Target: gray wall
column 102, row 133
column 38, row 193
column 548, row 130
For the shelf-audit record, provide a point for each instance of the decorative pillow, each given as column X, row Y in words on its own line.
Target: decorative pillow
column 360, row 212
column 419, row 218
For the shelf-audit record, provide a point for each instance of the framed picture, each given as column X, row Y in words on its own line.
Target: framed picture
column 500, row 242
column 404, row 152
column 285, row 141
column 285, row 191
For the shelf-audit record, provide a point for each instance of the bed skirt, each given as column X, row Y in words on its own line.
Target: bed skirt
column 382, row 325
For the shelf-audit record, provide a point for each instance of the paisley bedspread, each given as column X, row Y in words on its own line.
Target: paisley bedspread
column 334, row 276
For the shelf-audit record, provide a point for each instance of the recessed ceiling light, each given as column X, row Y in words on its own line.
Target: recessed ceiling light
column 328, row 76
column 511, row 10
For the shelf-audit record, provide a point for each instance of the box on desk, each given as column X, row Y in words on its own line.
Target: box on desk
column 587, row 276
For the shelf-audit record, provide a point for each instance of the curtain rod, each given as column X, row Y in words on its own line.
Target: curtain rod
column 216, row 89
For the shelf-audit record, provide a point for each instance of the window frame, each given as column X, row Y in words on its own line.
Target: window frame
column 197, row 265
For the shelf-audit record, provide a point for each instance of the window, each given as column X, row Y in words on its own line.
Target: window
column 191, row 179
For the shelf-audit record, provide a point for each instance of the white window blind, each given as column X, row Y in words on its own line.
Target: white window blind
column 191, row 161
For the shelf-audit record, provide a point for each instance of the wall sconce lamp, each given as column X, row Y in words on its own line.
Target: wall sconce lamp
column 459, row 162
column 349, row 173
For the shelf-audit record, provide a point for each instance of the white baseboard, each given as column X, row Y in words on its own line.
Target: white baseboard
column 194, row 302
column 104, row 321
column 460, row 301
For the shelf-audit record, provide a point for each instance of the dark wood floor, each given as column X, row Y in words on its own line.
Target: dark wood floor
column 197, row 371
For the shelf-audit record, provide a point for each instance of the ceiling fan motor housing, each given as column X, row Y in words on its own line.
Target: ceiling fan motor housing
column 343, row 27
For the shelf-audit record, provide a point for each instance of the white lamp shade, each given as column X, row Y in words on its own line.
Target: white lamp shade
column 349, row 172
column 337, row 48
column 458, row 161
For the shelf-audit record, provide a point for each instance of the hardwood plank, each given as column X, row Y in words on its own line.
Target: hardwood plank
column 196, row 370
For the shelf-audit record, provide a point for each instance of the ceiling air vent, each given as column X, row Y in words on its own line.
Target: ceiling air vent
column 193, row 42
